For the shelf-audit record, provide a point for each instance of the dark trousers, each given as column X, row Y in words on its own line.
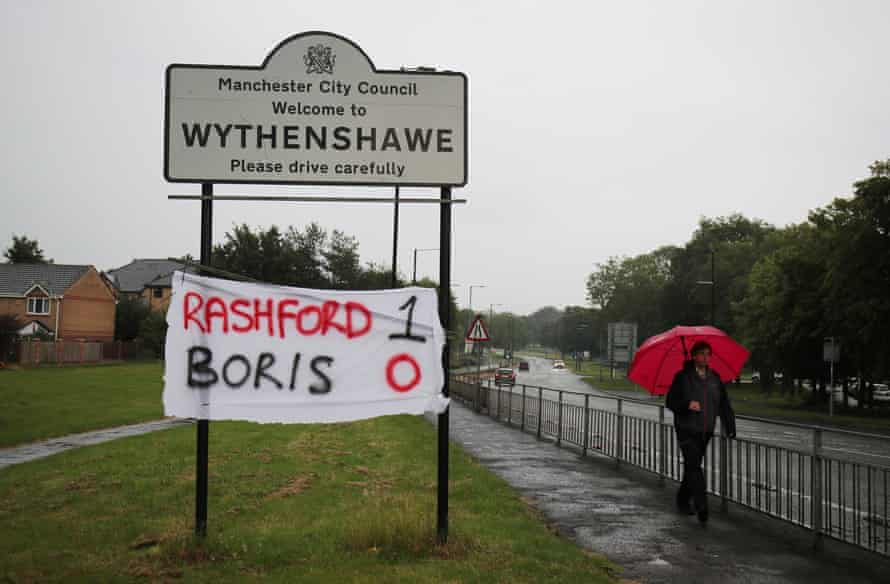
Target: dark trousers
column 693, row 445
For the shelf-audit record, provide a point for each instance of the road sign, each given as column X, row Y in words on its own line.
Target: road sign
column 622, row 341
column 317, row 111
column 831, row 350
column 477, row 332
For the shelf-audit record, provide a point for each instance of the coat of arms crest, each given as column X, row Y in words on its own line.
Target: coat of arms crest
column 319, row 59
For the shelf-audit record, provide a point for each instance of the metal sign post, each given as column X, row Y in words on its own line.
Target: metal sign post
column 445, row 317
column 203, row 438
column 476, row 334
column 831, row 352
column 318, row 112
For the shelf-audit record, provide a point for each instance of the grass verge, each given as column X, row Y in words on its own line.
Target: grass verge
column 311, row 503
column 48, row 402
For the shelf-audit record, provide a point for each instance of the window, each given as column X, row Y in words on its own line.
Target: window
column 158, row 292
column 38, row 305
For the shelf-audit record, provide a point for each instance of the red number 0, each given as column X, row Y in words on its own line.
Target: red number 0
column 390, row 372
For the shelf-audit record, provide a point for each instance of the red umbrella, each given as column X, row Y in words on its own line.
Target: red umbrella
column 660, row 357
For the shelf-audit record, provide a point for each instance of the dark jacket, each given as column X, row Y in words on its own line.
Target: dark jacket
column 710, row 392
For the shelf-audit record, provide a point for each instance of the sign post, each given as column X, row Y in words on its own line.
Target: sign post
column 478, row 333
column 831, row 351
column 317, row 111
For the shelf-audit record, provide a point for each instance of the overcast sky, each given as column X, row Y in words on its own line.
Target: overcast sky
column 596, row 128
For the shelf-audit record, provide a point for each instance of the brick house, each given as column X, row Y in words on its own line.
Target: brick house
column 148, row 279
column 67, row 302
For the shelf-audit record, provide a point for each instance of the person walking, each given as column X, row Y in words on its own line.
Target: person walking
column 696, row 397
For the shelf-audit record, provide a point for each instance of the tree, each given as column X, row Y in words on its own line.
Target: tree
column 308, row 245
column 128, row 318
column 735, row 243
column 24, row 251
column 631, row 289
column 342, row 261
column 153, row 332
column 539, row 323
column 309, row 259
column 781, row 317
column 857, row 274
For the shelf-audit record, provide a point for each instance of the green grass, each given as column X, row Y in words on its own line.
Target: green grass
column 752, row 401
column 48, row 402
column 310, row 503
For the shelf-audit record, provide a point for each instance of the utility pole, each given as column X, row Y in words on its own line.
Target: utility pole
column 395, row 237
column 713, row 291
column 414, row 271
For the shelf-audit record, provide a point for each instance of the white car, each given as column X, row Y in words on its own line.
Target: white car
column 880, row 392
column 557, row 364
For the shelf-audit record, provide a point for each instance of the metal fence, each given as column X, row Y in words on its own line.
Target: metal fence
column 831, row 496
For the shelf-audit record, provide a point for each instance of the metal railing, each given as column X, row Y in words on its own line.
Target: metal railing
column 830, row 495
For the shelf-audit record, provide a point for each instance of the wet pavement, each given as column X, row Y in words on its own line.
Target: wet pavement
column 629, row 516
column 35, row 450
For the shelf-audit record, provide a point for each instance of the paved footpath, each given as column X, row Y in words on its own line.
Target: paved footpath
column 35, row 450
column 628, row 516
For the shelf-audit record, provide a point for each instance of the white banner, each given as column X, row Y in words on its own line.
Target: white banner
column 265, row 353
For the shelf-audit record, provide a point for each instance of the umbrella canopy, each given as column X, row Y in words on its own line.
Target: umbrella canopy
column 660, row 357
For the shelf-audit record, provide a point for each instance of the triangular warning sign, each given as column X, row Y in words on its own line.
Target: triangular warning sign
column 477, row 332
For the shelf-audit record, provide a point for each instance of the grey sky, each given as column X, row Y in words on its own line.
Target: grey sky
column 596, row 128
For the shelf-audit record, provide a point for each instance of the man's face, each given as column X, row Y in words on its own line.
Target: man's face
column 702, row 358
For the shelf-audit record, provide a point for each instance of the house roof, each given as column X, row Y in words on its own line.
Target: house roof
column 141, row 272
column 17, row 279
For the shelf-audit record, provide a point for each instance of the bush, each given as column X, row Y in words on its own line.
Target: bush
column 9, row 334
column 153, row 332
column 128, row 318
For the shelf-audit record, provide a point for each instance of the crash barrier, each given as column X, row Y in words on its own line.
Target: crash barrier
column 58, row 352
column 832, row 496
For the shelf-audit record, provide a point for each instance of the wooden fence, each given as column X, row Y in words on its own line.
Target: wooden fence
column 59, row 352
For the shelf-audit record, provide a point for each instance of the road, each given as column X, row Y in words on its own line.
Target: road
column 770, row 466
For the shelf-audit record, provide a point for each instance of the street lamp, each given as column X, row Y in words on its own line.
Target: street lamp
column 713, row 285
column 471, row 293
column 414, row 276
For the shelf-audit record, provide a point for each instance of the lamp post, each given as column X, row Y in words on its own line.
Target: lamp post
column 395, row 237
column 491, row 319
column 471, row 294
column 712, row 283
column 414, row 272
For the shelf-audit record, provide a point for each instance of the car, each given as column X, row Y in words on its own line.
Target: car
column 504, row 376
column 524, row 366
column 557, row 364
column 880, row 392
column 777, row 376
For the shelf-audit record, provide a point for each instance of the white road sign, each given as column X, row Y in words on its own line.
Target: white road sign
column 315, row 112
column 477, row 333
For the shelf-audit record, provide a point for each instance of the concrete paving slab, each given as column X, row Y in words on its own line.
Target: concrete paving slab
column 44, row 448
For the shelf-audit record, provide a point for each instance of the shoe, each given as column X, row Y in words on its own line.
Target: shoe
column 686, row 509
column 684, row 506
column 702, row 516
